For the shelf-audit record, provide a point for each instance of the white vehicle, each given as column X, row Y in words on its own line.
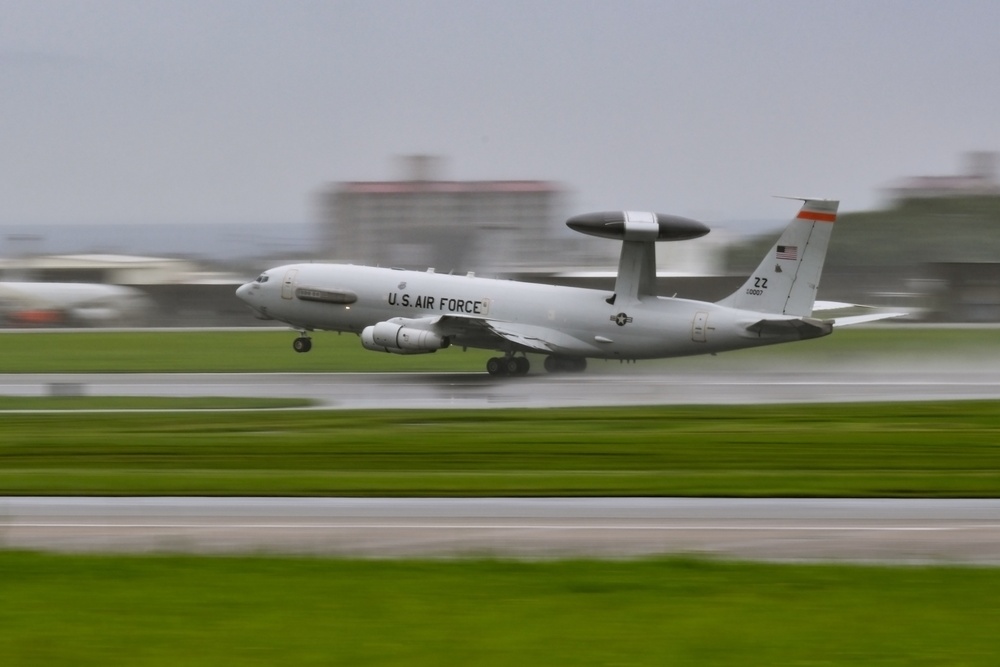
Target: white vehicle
column 413, row 312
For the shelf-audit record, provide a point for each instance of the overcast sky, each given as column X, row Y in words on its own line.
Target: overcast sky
column 240, row 111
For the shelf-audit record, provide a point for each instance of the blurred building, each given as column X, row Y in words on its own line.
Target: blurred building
column 422, row 221
column 117, row 290
column 966, row 292
column 978, row 177
column 106, row 269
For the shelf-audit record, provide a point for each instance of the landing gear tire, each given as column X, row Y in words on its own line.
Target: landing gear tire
column 508, row 366
column 565, row 364
column 496, row 366
column 302, row 344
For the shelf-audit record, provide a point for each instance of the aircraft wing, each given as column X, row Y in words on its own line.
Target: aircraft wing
column 525, row 337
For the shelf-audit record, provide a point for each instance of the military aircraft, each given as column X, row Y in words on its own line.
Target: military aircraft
column 414, row 312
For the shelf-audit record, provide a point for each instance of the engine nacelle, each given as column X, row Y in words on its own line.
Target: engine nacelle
column 401, row 339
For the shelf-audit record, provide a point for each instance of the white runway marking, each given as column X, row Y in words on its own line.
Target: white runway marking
column 446, row 526
column 216, row 525
column 913, row 531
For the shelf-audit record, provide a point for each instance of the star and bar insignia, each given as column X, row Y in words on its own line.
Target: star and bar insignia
column 621, row 319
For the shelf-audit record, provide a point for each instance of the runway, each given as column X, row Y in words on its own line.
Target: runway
column 893, row 531
column 889, row 531
column 478, row 390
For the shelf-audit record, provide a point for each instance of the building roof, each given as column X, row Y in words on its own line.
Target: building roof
column 447, row 187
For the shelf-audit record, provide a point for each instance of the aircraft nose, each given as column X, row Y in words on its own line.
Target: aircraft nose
column 243, row 291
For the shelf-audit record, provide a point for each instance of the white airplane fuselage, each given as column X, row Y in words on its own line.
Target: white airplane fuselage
column 645, row 328
column 412, row 312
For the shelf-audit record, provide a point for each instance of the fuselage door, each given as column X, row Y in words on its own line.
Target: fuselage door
column 288, row 284
column 699, row 328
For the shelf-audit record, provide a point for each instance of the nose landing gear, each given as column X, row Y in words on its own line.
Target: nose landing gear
column 302, row 344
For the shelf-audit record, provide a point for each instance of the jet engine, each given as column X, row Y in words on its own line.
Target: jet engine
column 398, row 338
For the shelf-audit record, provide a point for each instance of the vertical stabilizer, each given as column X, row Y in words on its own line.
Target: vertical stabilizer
column 787, row 279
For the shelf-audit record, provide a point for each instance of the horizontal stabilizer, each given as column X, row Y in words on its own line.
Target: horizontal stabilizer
column 852, row 313
column 860, row 319
column 800, row 328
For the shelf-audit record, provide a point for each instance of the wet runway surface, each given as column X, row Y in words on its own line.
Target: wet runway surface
column 478, row 390
column 892, row 531
column 908, row 531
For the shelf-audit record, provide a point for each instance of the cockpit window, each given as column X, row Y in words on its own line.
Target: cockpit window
column 262, row 278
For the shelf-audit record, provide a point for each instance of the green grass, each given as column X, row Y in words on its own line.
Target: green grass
column 872, row 450
column 268, row 350
column 942, row 449
column 99, row 610
column 210, row 351
column 150, row 611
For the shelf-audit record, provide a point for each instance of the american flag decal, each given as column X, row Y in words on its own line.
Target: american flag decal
column 788, row 252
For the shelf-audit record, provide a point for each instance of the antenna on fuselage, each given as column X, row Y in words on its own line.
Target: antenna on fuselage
column 638, row 231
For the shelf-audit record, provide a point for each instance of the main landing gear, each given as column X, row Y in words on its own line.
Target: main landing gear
column 508, row 365
column 511, row 365
column 302, row 344
column 565, row 364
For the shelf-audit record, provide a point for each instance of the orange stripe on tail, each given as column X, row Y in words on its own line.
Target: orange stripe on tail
column 820, row 216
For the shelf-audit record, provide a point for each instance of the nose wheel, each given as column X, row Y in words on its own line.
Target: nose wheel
column 302, row 344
